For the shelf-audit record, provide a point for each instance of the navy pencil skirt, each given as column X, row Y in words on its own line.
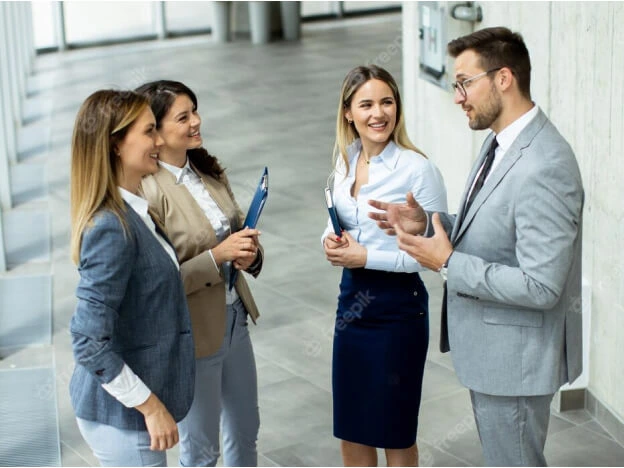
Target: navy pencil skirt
column 380, row 347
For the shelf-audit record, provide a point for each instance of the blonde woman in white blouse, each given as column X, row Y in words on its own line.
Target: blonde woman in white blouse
column 382, row 326
column 191, row 196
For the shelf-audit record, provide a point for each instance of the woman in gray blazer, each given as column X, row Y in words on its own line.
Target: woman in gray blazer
column 131, row 331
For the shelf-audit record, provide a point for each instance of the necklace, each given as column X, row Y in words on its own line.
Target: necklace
column 366, row 160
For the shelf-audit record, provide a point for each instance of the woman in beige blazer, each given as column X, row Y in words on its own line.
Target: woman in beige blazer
column 192, row 198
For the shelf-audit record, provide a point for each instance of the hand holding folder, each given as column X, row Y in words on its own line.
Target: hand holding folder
column 253, row 214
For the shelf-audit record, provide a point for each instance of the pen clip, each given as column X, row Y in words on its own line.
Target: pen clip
column 328, row 198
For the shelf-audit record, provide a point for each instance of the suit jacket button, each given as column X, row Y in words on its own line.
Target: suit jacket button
column 208, row 285
column 100, row 372
column 415, row 293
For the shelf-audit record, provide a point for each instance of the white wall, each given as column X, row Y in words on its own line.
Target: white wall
column 578, row 68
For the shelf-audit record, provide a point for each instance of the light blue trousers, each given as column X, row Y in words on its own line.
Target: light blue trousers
column 226, row 392
column 120, row 447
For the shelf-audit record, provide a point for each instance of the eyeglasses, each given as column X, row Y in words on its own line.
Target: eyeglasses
column 462, row 85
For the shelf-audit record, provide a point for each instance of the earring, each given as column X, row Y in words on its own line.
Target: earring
column 349, row 121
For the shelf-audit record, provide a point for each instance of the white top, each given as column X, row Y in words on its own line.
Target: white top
column 127, row 387
column 220, row 223
column 509, row 134
column 391, row 175
column 505, row 139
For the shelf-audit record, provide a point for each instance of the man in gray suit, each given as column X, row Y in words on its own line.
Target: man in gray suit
column 511, row 257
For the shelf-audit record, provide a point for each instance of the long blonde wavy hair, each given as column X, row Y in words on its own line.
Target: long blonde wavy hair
column 346, row 132
column 101, row 124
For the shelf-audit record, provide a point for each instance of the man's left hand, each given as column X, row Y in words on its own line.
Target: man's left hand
column 430, row 252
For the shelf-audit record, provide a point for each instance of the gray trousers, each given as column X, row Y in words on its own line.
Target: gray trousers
column 226, row 398
column 512, row 429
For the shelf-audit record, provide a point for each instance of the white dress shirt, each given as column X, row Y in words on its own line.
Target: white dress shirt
column 220, row 223
column 127, row 387
column 505, row 139
column 391, row 174
column 509, row 134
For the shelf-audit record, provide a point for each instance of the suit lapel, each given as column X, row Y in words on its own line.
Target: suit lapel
column 147, row 236
column 511, row 157
column 471, row 178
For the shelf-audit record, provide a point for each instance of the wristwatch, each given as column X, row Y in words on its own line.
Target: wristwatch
column 444, row 268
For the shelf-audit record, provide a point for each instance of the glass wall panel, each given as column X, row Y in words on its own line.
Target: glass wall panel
column 319, row 8
column 43, row 14
column 87, row 22
column 188, row 16
column 352, row 6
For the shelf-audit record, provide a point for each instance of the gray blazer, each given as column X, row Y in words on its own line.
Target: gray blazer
column 131, row 309
column 514, row 280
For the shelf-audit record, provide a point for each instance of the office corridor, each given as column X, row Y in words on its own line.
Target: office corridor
column 272, row 105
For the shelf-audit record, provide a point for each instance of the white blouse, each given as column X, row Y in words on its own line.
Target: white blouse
column 393, row 173
column 220, row 223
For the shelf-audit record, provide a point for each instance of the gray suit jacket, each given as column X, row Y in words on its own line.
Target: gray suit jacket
column 131, row 309
column 514, row 279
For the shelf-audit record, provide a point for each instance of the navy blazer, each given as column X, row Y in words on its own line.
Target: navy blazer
column 131, row 309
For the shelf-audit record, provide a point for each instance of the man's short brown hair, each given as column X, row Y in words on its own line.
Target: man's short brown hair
column 497, row 48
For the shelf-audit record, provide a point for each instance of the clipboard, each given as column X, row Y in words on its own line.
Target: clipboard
column 254, row 212
column 258, row 201
column 333, row 214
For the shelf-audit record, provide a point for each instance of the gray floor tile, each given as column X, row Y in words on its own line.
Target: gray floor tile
column 292, row 411
column 438, row 381
column 448, row 424
column 263, row 460
column 580, row 447
column 556, row 424
column 69, row 457
column 28, row 183
column 270, row 373
column 25, row 310
column 303, row 348
column 26, row 236
column 594, row 426
column 432, row 456
column 323, row 450
column 575, row 416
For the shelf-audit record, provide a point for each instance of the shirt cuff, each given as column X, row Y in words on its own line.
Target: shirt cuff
column 380, row 260
column 128, row 388
column 213, row 260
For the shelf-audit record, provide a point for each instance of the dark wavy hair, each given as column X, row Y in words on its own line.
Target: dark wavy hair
column 161, row 95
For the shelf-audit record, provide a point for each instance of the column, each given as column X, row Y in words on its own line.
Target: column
column 260, row 22
column 59, row 26
column 160, row 19
column 8, row 89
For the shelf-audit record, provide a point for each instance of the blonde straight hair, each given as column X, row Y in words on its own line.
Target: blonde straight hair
column 101, row 124
column 346, row 132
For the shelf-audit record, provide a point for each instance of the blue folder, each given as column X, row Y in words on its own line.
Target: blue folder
column 253, row 214
column 333, row 214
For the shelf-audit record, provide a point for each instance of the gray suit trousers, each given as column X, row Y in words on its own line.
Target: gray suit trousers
column 512, row 429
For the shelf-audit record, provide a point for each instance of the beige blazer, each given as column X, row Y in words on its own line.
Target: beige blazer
column 192, row 235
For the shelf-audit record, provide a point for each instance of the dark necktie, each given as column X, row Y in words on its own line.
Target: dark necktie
column 487, row 165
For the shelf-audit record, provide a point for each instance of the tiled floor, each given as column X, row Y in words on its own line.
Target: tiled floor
column 269, row 105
